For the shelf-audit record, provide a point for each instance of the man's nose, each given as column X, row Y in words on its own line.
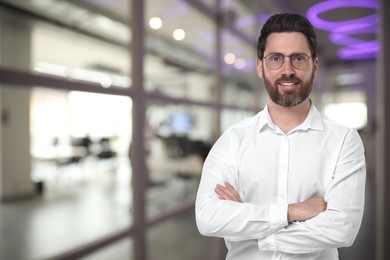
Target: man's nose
column 287, row 68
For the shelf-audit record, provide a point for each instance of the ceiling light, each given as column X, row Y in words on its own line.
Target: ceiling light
column 229, row 58
column 155, row 23
column 106, row 82
column 179, row 34
column 240, row 64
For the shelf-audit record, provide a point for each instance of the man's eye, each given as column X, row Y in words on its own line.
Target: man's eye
column 300, row 58
column 275, row 58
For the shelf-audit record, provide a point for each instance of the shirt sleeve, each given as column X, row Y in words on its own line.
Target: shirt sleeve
column 229, row 219
column 339, row 224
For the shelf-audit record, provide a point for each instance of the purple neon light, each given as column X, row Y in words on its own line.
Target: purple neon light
column 354, row 52
column 341, row 35
column 313, row 13
column 341, row 32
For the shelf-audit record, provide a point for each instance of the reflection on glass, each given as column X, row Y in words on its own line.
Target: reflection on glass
column 181, row 50
column 178, row 139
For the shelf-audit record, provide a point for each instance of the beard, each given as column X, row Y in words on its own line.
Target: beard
column 289, row 98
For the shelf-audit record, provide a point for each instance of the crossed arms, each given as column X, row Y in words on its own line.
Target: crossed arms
column 299, row 211
column 303, row 227
column 330, row 220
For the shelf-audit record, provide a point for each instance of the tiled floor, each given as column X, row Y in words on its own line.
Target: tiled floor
column 74, row 213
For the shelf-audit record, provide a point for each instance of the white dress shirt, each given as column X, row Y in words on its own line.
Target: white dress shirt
column 270, row 169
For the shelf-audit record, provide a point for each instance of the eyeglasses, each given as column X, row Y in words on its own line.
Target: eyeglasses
column 297, row 60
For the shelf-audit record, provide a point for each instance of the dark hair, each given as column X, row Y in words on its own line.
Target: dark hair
column 287, row 23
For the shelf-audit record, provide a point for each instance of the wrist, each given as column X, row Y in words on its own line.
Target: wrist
column 291, row 212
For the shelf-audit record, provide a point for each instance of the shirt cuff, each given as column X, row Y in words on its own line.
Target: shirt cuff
column 278, row 215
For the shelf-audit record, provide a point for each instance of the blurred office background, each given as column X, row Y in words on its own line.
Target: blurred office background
column 109, row 108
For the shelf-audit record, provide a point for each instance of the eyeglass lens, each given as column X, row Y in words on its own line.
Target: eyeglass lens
column 276, row 60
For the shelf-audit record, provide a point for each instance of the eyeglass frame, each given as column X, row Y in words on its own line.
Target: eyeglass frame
column 290, row 56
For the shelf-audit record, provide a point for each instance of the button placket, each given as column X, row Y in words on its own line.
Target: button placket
column 283, row 169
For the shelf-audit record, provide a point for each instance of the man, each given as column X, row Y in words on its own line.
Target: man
column 289, row 182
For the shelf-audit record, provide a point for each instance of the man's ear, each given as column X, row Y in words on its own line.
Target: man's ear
column 316, row 65
column 259, row 68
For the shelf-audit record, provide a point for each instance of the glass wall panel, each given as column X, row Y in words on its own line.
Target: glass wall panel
column 230, row 117
column 178, row 139
column 102, row 57
column 123, row 249
column 241, row 86
column 79, row 166
column 247, row 17
column 80, row 163
column 178, row 238
column 181, row 50
column 62, row 53
column 72, row 128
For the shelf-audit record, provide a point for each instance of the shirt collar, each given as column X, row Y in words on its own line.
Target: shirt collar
column 313, row 120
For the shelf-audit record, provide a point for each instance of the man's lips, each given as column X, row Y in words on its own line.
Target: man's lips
column 288, row 85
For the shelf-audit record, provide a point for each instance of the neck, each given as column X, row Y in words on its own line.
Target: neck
column 287, row 118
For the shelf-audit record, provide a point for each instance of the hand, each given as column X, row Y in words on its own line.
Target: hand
column 227, row 192
column 307, row 209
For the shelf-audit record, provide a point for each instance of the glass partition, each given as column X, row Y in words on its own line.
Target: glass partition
column 122, row 249
column 231, row 116
column 170, row 240
column 87, row 46
column 79, row 167
column 247, row 17
column 241, row 85
column 79, row 57
column 74, row 133
column 181, row 51
column 178, row 138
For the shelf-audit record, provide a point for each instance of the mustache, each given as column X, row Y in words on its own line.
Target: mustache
column 287, row 79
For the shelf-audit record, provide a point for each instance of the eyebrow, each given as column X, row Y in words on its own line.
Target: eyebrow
column 294, row 53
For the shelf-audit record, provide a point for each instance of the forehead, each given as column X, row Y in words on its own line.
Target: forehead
column 287, row 42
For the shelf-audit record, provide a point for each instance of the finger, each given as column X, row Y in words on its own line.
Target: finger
column 220, row 190
column 230, row 188
column 224, row 193
column 233, row 192
column 230, row 191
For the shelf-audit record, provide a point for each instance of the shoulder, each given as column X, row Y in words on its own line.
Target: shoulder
column 331, row 125
column 334, row 129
